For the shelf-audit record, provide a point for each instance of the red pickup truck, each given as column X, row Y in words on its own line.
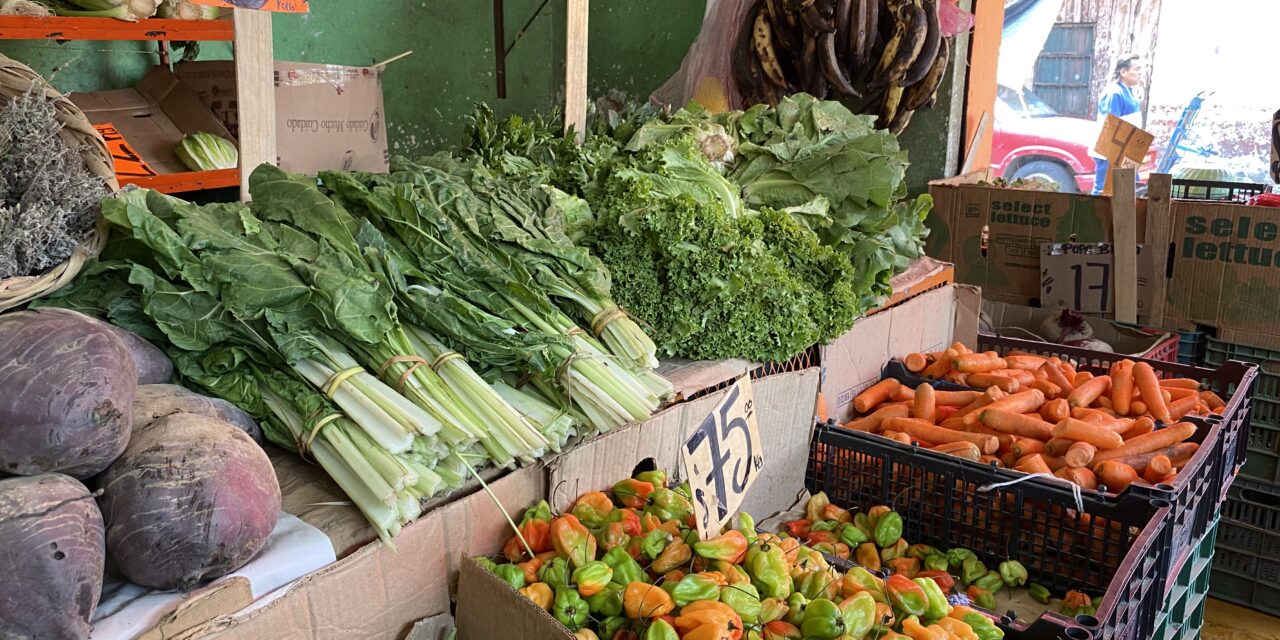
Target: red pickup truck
column 1031, row 140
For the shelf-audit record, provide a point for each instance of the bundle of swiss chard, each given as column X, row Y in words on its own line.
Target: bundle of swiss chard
column 750, row 234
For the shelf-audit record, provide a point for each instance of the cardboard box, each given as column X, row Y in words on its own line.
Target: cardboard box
column 1017, row 321
column 153, row 117
column 1226, row 271
column 1080, row 276
column 993, row 235
column 929, row 322
column 327, row 116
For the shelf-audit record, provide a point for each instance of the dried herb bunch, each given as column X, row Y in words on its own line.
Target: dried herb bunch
column 49, row 202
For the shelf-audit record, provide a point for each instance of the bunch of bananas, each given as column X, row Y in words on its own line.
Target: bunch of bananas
column 889, row 54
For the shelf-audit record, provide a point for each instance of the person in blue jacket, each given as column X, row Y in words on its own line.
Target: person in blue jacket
column 1118, row 100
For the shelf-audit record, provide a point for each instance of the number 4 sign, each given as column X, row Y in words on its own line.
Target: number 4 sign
column 723, row 458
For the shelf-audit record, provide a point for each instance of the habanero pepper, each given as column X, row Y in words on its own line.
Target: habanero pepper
column 511, row 574
column 859, row 614
column 555, row 573
column 936, row 562
column 694, row 587
column 894, row 551
column 906, row 596
column 832, row 512
column 815, row 584
column 938, row 605
column 852, row 535
column 570, row 609
column 666, row 504
column 796, row 604
column 747, row 527
column 814, row 506
column 733, row 574
column 981, row 597
column 675, row 554
column 632, row 493
column 608, row 602
column 823, row 619
column 867, row 556
column 540, row 511
column 572, row 540
column 782, row 630
column 614, row 536
column 945, row 580
column 772, row 609
column 592, row 577
column 992, row 582
column 769, row 571
column 909, row 567
column 1013, row 573
column 653, row 543
column 628, row 518
column 660, row 630
column 797, row 528
column 625, row 568
column 730, row 546
column 657, row 477
column 744, row 599
column 540, row 594
column 641, row 600
column 888, row 529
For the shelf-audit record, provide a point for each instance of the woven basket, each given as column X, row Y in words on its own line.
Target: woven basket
column 16, row 79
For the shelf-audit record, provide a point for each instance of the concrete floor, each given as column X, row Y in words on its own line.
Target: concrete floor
column 1226, row 621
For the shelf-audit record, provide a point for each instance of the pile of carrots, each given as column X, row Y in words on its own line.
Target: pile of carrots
column 1040, row 415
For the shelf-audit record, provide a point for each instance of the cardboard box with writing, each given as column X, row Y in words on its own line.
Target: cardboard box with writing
column 1080, row 276
column 327, row 116
column 1017, row 321
column 153, row 117
column 928, row 322
column 1225, row 273
column 993, row 235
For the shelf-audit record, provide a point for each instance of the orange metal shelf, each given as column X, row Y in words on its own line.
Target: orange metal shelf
column 59, row 28
column 191, row 181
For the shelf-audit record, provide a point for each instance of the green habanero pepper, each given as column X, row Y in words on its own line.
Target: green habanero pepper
column 991, row 582
column 956, row 558
column 936, row 562
column 511, row 574
column 863, row 523
column 971, row 570
column 657, row 477
column 592, row 577
column 540, row 511
column 822, row 619
column 888, row 529
column 625, row 568
column 555, row 573
column 939, row 607
column 767, row 565
column 487, row 564
column 694, row 587
column 851, row 535
column 1040, row 593
column 747, row 527
column 981, row 597
column 906, row 595
column 611, row 625
column 608, row 602
column 983, row 627
column 666, row 504
column 796, row 604
column 660, row 630
column 894, row 551
column 859, row 614
column 654, row 542
column 824, row 525
column 1013, row 573
column 570, row 609
column 743, row 599
column 684, row 490
column 920, row 551
column 814, row 584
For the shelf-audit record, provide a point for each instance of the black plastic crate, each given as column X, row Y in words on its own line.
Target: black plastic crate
column 1263, row 461
column 1216, row 191
column 1119, row 547
column 1246, row 567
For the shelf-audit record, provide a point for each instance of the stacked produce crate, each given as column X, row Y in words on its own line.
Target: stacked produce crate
column 1147, row 549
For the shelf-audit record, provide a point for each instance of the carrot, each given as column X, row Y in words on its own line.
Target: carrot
column 1049, row 389
column 1141, row 427
column 955, row 398
column 1157, row 469
column 1120, row 426
column 1008, row 460
column 1144, row 377
column 1084, row 394
column 943, row 412
column 1056, row 410
column 903, row 394
column 1024, row 378
column 875, row 394
column 959, row 347
column 871, row 423
column 1015, row 424
column 1081, row 378
column 1104, row 404
column 1027, row 446
column 1079, row 475
column 941, row 366
column 1180, row 383
column 1004, row 383
column 1057, row 446
column 1117, row 476
column 1080, row 454
column 1080, row 431
column 1020, row 402
column 1053, row 374
column 898, row 436
column 991, row 460
column 1183, row 406
column 1033, row 463
column 924, row 405
column 1165, row 437
column 1122, row 387
column 1025, row 363
column 1137, row 408
column 987, row 397
column 1179, row 455
column 956, row 377
column 966, row 450
column 915, row 362
column 1176, row 393
column 1089, row 415
column 978, row 363
column 1213, row 400
column 938, row 435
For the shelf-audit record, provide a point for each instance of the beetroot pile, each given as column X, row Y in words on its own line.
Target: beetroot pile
column 103, row 461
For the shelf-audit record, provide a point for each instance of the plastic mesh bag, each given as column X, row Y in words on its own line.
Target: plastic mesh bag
column 706, row 75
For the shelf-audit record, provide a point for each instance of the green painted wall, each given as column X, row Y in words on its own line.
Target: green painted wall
column 634, row 47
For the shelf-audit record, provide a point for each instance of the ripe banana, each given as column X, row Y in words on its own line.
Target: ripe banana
column 762, row 40
column 920, row 93
column 929, row 49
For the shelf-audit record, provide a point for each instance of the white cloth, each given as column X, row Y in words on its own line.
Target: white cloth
column 294, row 550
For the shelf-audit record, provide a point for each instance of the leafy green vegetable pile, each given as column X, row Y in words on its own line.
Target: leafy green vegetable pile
column 750, row 234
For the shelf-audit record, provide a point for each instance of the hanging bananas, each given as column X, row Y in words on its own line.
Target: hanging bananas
column 892, row 51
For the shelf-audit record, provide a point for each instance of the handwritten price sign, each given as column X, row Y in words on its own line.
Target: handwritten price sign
column 723, row 458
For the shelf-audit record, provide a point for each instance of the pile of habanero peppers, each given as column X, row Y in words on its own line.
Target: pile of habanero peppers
column 628, row 565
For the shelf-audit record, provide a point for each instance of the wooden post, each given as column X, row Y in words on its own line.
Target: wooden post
column 1159, row 222
column 984, row 57
column 1124, row 222
column 255, row 92
column 575, row 68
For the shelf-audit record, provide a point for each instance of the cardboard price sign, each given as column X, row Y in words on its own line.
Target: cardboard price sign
column 1081, row 276
column 278, row 6
column 1123, row 144
column 128, row 162
column 723, row 458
